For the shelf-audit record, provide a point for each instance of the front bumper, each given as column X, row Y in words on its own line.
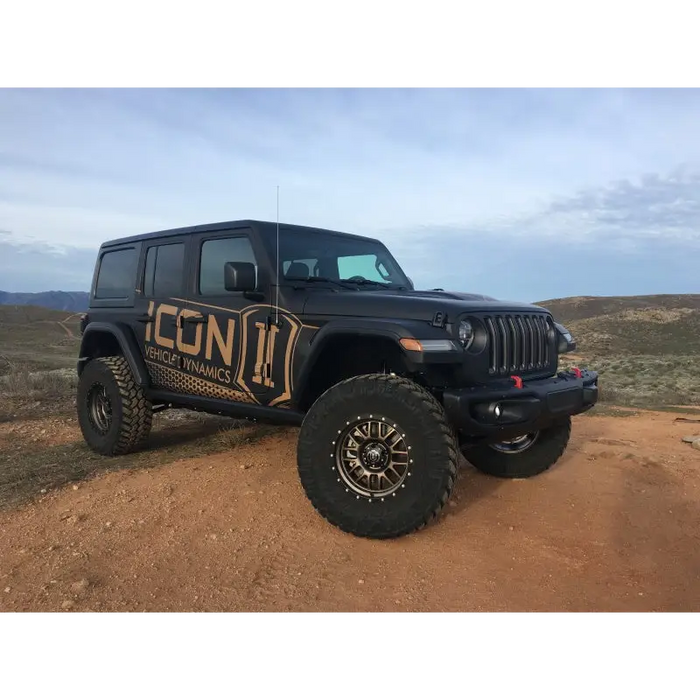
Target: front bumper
column 503, row 411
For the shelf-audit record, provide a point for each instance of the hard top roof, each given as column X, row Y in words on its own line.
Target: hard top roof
column 263, row 227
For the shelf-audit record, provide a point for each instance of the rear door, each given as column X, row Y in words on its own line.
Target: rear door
column 161, row 296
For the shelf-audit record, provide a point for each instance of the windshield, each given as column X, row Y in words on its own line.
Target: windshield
column 309, row 254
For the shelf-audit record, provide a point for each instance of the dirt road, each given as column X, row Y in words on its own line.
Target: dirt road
column 614, row 526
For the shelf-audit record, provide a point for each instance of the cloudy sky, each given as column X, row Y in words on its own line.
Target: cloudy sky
column 518, row 194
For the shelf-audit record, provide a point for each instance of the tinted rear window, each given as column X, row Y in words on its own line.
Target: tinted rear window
column 117, row 274
column 164, row 267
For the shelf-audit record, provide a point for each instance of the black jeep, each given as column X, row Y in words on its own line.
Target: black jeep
column 324, row 330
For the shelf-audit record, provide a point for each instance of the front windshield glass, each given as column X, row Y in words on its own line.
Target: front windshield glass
column 308, row 254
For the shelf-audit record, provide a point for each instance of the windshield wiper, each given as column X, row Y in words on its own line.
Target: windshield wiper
column 382, row 285
column 325, row 280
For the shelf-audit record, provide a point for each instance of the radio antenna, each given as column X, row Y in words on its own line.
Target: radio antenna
column 277, row 243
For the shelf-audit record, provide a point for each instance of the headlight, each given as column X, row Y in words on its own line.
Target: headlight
column 566, row 341
column 466, row 334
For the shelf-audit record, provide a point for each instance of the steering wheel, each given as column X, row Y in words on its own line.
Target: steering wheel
column 357, row 278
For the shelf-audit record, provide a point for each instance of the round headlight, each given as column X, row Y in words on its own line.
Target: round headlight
column 466, row 334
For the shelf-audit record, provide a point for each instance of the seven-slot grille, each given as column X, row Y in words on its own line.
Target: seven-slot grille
column 518, row 343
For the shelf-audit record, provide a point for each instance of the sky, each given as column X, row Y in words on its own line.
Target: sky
column 519, row 194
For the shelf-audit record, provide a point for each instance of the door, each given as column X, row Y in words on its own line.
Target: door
column 160, row 301
column 217, row 324
column 237, row 347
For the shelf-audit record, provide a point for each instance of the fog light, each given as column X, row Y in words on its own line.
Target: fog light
column 489, row 413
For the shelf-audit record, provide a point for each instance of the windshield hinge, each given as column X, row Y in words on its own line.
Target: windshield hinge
column 440, row 319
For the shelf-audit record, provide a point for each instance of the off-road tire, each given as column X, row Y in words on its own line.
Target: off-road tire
column 132, row 412
column 429, row 441
column 540, row 456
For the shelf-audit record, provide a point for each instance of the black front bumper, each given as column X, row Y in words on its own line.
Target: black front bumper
column 539, row 403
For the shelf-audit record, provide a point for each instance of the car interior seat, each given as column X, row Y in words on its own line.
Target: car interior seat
column 298, row 269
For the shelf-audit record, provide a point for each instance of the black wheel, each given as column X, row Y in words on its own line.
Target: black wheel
column 377, row 457
column 521, row 457
column 114, row 415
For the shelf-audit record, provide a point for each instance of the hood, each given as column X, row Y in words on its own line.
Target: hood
column 409, row 304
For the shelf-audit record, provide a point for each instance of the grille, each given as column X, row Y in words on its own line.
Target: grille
column 518, row 343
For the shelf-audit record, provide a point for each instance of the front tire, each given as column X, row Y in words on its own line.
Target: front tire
column 523, row 457
column 114, row 414
column 377, row 457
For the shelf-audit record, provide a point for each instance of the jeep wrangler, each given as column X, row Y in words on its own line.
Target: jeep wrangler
column 324, row 330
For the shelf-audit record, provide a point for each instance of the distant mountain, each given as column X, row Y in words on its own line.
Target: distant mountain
column 62, row 301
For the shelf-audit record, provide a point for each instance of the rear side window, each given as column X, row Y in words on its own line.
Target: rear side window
column 215, row 254
column 117, row 274
column 163, row 271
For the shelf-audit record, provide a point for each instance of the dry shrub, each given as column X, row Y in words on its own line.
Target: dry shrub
column 38, row 385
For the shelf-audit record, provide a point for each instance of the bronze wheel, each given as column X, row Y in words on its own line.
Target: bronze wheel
column 372, row 457
column 376, row 456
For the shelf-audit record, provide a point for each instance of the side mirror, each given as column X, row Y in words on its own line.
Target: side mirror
column 239, row 277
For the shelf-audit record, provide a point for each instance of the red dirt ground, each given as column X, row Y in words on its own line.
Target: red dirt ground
column 614, row 526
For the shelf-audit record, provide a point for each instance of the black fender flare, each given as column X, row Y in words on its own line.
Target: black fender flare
column 393, row 330
column 127, row 342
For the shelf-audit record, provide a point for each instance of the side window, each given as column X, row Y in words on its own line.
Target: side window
column 215, row 254
column 364, row 265
column 117, row 275
column 164, row 268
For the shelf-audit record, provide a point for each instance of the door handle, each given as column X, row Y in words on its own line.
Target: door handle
column 182, row 320
column 145, row 318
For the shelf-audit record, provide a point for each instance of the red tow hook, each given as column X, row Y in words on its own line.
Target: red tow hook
column 577, row 372
column 518, row 382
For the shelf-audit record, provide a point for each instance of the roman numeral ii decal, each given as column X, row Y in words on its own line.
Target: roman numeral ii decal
column 262, row 373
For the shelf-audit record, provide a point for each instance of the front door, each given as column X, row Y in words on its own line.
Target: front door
column 218, row 327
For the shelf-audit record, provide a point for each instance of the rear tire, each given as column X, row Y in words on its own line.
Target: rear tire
column 403, row 448
column 114, row 414
column 538, row 456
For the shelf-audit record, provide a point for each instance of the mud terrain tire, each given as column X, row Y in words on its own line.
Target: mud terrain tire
column 543, row 453
column 114, row 415
column 405, row 453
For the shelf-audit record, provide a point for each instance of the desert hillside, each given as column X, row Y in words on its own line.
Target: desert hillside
column 641, row 325
column 645, row 347
column 36, row 338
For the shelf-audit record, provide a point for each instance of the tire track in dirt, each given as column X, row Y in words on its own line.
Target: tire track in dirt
column 68, row 331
